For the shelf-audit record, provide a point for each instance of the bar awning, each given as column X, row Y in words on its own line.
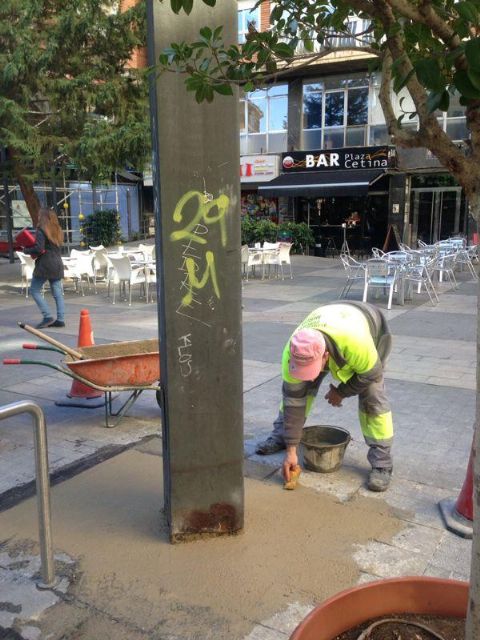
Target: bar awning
column 320, row 184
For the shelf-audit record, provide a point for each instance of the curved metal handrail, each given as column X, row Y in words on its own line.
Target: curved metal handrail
column 43, row 485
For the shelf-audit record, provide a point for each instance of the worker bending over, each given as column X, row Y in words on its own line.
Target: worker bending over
column 351, row 340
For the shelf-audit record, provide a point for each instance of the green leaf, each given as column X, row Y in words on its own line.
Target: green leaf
column 308, row 44
column 283, row 50
column 429, row 74
column 223, row 89
column 206, row 33
column 439, row 100
column 276, row 14
column 464, row 85
column 467, row 11
column 176, row 5
column 248, row 86
column 472, row 51
column 187, row 6
column 399, row 83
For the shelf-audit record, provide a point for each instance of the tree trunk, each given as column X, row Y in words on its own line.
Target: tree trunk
column 26, row 187
column 473, row 616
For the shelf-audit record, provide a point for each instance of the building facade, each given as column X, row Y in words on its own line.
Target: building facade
column 315, row 149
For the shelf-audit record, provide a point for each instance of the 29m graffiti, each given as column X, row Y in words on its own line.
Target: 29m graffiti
column 199, row 213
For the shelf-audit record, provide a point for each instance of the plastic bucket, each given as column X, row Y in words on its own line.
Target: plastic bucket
column 323, row 447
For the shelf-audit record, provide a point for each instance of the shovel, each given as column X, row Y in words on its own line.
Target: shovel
column 76, row 355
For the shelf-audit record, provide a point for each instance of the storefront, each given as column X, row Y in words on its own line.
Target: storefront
column 256, row 171
column 332, row 187
column 437, row 207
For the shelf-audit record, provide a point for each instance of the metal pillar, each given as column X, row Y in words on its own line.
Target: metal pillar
column 196, row 200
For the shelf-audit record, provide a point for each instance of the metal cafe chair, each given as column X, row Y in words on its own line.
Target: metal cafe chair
column 354, row 270
column 380, row 274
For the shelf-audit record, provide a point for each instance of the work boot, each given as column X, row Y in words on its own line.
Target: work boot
column 269, row 446
column 379, row 479
column 58, row 323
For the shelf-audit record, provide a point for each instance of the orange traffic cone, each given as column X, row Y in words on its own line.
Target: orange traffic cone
column 79, row 389
column 458, row 515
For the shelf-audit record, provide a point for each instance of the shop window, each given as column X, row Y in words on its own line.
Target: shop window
column 355, row 136
column 312, row 109
column 457, row 128
column 333, row 138
column 257, row 144
column 265, row 112
column 243, row 145
column 339, row 108
column 277, row 142
column 312, row 139
column 379, row 135
column 248, row 15
column 357, row 106
column 334, row 108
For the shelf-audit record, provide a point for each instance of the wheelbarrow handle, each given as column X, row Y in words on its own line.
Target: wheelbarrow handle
column 76, row 355
column 12, row 361
column 40, row 347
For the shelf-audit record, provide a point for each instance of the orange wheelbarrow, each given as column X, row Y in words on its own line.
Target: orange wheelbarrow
column 111, row 368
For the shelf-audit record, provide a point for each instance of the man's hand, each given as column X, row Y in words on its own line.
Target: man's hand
column 290, row 462
column 333, row 397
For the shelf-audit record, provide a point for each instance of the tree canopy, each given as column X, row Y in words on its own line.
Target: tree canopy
column 67, row 93
column 431, row 48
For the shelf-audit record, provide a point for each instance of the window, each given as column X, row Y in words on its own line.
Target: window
column 247, row 15
column 338, row 107
column 263, row 120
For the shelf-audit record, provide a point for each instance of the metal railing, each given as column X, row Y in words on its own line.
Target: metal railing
column 43, row 485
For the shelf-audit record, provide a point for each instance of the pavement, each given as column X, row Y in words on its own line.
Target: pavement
column 118, row 575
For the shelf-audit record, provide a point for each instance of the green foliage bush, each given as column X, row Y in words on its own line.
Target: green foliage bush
column 102, row 227
column 266, row 231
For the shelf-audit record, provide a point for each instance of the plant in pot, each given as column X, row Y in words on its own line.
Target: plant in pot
column 354, row 611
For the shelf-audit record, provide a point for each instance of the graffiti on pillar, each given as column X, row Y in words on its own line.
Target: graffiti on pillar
column 200, row 214
column 184, row 351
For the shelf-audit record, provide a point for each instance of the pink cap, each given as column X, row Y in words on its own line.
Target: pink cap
column 307, row 347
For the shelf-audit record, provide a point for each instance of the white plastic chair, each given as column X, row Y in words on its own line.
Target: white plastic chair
column 255, row 259
column 244, row 259
column 100, row 264
column 380, row 274
column 100, row 247
column 271, row 245
column 355, row 272
column 83, row 267
column 123, row 272
column 148, row 251
column 278, row 256
column 27, row 265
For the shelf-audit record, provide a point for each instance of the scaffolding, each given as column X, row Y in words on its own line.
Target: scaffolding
column 73, row 201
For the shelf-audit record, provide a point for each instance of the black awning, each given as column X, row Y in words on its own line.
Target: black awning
column 320, row 184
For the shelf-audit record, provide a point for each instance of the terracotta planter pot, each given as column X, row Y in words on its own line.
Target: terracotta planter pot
column 350, row 608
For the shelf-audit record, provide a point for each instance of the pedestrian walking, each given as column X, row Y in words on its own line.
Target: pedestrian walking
column 48, row 266
column 350, row 340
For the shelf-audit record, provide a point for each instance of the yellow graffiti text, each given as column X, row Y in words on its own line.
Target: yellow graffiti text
column 208, row 213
